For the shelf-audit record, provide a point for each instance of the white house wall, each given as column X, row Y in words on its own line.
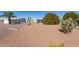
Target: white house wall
column 5, row 20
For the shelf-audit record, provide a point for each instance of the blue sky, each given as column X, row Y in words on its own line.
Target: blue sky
column 36, row 14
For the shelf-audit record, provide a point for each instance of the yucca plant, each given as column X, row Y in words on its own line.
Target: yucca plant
column 29, row 21
column 67, row 25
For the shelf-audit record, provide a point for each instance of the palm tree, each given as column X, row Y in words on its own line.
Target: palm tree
column 9, row 15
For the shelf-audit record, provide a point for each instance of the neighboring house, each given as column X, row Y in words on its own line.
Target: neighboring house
column 32, row 21
column 18, row 20
column 77, row 20
column 1, row 21
column 13, row 20
column 39, row 20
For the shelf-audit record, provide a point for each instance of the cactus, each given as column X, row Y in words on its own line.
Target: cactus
column 29, row 21
column 67, row 25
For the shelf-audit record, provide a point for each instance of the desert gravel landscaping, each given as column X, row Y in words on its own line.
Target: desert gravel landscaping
column 36, row 35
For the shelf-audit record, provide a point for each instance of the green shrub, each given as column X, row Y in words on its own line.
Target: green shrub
column 72, row 15
column 51, row 19
column 67, row 25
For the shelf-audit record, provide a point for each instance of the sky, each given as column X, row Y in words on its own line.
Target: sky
column 37, row 14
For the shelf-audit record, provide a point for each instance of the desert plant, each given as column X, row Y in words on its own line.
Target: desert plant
column 72, row 15
column 67, row 25
column 29, row 21
column 57, row 44
column 50, row 19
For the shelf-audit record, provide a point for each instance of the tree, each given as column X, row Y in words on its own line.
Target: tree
column 51, row 19
column 72, row 15
column 9, row 15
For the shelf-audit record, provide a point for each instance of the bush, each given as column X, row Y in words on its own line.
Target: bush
column 72, row 15
column 67, row 25
column 51, row 19
column 57, row 44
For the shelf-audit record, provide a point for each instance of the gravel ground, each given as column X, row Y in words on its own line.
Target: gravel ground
column 36, row 35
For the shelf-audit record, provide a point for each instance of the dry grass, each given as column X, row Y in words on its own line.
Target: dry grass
column 56, row 44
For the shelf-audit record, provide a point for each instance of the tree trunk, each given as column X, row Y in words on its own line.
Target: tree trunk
column 9, row 19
